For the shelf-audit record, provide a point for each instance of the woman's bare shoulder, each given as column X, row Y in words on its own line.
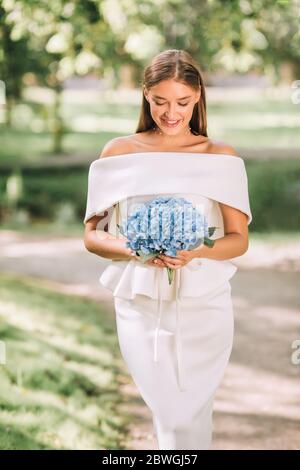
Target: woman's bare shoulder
column 225, row 149
column 117, row 146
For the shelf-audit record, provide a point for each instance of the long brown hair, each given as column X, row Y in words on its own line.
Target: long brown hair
column 178, row 65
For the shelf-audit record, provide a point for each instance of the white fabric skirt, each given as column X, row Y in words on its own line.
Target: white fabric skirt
column 182, row 419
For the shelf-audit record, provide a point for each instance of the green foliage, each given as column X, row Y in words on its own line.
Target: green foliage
column 60, row 383
column 274, row 188
column 44, row 191
column 274, row 191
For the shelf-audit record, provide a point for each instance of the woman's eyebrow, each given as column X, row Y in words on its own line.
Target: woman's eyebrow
column 162, row 98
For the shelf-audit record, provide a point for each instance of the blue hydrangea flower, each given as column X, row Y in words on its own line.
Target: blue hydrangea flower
column 164, row 225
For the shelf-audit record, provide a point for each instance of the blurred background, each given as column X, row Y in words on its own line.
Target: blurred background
column 70, row 80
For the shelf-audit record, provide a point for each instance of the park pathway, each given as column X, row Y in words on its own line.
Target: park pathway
column 258, row 403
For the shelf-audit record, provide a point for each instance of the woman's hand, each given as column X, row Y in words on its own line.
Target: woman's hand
column 151, row 262
column 182, row 258
column 156, row 262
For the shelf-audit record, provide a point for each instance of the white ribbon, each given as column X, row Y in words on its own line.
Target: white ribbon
column 180, row 367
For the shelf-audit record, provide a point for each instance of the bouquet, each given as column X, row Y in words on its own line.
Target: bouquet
column 164, row 225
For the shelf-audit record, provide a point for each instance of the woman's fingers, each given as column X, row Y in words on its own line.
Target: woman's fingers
column 173, row 266
column 158, row 262
column 172, row 262
column 152, row 262
column 165, row 263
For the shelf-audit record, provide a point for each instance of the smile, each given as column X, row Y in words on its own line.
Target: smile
column 170, row 123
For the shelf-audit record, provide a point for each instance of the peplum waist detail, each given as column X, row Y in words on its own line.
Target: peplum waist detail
column 127, row 278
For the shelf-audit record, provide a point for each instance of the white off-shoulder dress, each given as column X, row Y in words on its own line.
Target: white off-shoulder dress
column 175, row 339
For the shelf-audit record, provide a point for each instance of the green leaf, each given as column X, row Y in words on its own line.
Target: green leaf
column 145, row 258
column 211, row 230
column 208, row 242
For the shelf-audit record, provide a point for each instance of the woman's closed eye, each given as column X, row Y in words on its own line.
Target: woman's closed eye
column 161, row 104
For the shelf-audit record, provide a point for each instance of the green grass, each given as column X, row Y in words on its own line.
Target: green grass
column 27, row 146
column 47, row 228
column 60, row 382
column 77, row 230
column 260, row 122
column 280, row 236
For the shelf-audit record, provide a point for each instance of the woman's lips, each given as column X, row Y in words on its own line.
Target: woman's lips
column 170, row 123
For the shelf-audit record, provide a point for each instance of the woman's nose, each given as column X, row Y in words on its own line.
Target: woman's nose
column 171, row 113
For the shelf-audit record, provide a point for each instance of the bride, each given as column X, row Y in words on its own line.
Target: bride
column 192, row 321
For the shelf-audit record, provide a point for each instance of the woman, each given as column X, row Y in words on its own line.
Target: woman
column 189, row 323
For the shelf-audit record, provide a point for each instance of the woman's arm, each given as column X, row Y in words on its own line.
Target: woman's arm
column 235, row 241
column 226, row 247
column 103, row 244
column 97, row 241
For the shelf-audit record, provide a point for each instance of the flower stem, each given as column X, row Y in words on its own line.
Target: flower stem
column 170, row 275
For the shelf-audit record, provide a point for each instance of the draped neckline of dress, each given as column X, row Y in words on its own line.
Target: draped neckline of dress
column 204, row 154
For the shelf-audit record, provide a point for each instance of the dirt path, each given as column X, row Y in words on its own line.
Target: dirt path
column 257, row 405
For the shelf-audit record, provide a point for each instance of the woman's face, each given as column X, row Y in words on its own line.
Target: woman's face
column 171, row 105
